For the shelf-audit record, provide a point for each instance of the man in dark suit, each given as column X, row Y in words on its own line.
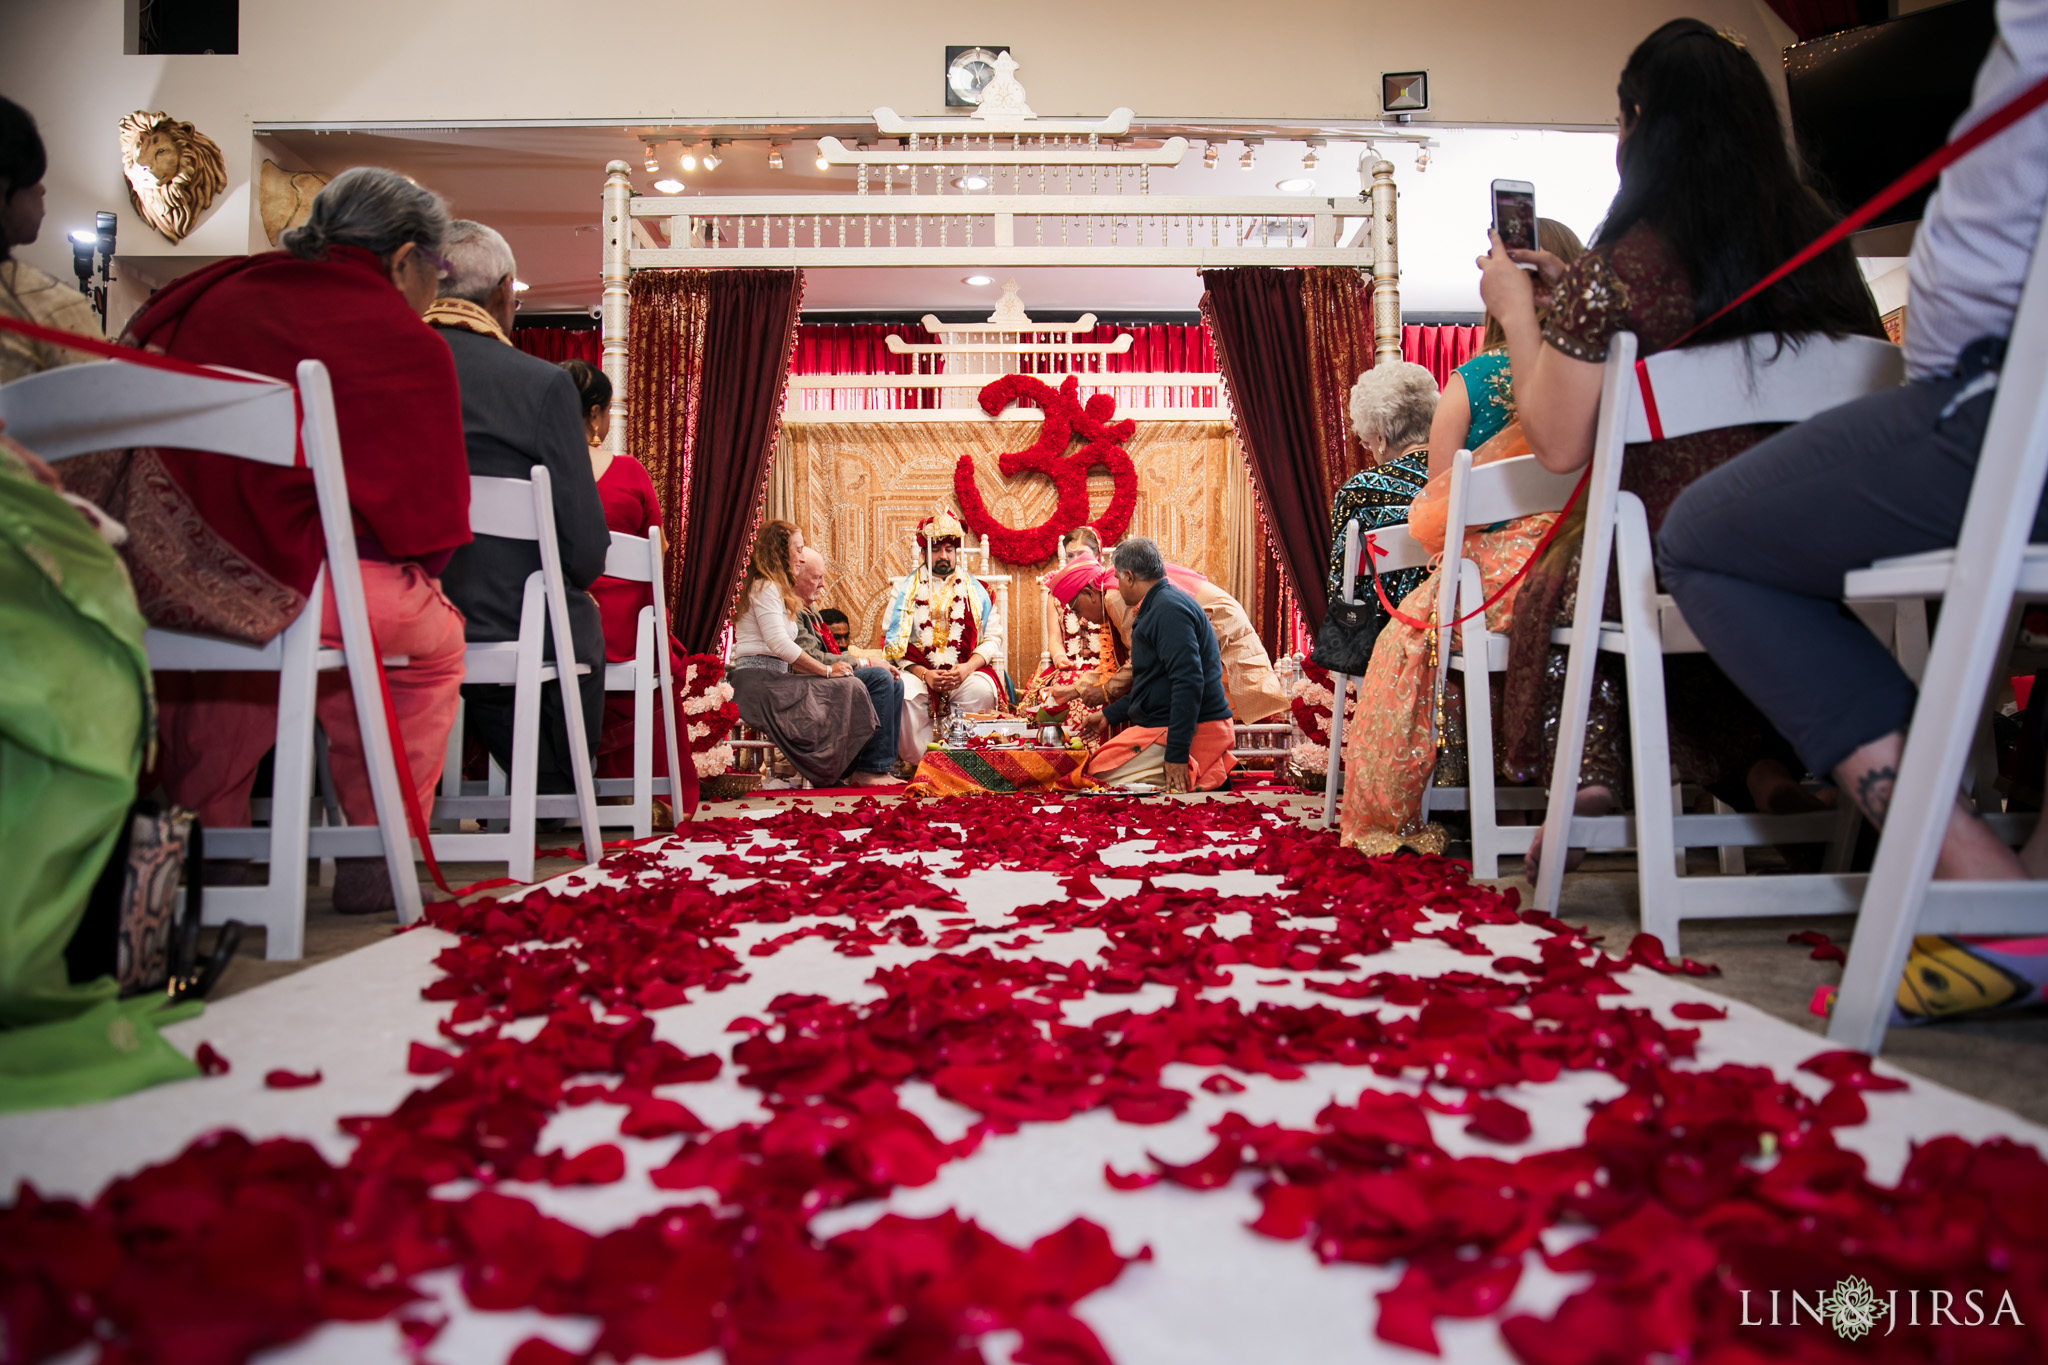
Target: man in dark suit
column 519, row 411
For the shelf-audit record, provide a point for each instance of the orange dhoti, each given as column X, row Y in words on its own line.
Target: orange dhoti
column 1138, row 754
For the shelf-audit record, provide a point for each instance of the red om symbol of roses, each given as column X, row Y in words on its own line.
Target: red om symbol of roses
column 1066, row 418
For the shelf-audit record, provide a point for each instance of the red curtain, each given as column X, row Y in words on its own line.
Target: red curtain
column 1260, row 326
column 860, row 348
column 1440, row 349
column 558, row 344
column 749, row 334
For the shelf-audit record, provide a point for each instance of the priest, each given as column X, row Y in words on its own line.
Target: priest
column 945, row 629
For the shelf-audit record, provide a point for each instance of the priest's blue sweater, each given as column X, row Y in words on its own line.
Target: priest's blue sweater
column 1176, row 670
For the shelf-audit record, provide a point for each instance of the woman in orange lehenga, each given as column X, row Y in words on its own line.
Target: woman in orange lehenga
column 1390, row 745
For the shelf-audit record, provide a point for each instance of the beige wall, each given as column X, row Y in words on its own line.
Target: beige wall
column 1490, row 61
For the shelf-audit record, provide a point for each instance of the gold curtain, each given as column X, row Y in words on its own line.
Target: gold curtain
column 665, row 374
column 858, row 489
column 1336, row 304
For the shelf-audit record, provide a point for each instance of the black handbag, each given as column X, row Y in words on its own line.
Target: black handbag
column 136, row 928
column 1344, row 641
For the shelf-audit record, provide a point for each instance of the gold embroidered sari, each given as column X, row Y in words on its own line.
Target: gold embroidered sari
column 1390, row 742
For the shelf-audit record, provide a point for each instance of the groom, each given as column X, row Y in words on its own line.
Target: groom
column 945, row 629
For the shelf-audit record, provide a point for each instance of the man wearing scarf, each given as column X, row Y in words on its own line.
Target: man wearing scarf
column 945, row 629
column 1175, row 721
column 519, row 411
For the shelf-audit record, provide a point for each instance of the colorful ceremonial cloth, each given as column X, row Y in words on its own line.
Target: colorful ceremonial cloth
column 979, row 772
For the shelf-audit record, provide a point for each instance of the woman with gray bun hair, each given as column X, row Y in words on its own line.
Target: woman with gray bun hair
column 1392, row 405
column 347, row 290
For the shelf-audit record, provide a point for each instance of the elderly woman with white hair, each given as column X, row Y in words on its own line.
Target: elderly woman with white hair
column 1392, row 406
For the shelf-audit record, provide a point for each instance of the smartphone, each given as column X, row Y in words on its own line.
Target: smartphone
column 1514, row 215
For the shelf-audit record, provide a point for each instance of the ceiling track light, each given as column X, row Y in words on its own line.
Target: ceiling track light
column 712, row 158
column 1245, row 162
column 774, row 158
column 822, row 164
column 1308, row 159
column 687, row 161
column 1209, row 156
column 653, row 162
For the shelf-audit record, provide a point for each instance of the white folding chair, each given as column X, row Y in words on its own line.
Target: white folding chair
column 1696, row 389
column 1398, row 551
column 521, row 509
column 1992, row 568
column 113, row 405
column 1502, row 491
column 637, row 559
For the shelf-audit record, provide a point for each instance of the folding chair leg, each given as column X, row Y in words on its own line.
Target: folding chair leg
column 291, row 789
column 1658, row 868
column 1333, row 779
column 643, row 757
column 1482, row 802
column 330, row 803
column 1733, row 861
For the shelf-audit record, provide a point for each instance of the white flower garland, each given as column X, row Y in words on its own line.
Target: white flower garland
column 1310, row 757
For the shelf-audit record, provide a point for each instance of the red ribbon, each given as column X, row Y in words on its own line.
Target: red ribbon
column 1937, row 161
column 153, row 360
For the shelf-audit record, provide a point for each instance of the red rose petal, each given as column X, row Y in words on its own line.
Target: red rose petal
column 211, row 1063
column 1695, row 1009
column 281, row 1079
column 1116, row 1180
column 1222, row 1085
column 603, row 1164
column 1498, row 1121
column 422, row 1060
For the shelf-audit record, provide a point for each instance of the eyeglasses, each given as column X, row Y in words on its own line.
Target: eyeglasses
column 443, row 267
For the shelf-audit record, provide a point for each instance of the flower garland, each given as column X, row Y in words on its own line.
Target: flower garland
column 1066, row 418
column 1310, row 706
column 706, row 698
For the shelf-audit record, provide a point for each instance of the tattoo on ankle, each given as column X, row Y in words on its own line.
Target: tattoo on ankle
column 1874, row 793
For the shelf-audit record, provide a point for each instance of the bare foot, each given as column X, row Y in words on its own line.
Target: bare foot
column 1590, row 801
column 873, row 780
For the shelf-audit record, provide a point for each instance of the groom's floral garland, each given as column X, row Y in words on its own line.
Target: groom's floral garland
column 1066, row 418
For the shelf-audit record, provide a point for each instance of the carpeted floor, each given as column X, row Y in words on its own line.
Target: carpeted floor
column 2003, row 1060
column 846, row 1035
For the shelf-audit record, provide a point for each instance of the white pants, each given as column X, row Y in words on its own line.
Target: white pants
column 914, row 735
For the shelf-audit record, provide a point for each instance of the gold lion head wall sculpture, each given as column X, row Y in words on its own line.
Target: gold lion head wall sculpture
column 174, row 171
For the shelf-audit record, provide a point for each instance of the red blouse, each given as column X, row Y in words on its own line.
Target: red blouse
column 630, row 508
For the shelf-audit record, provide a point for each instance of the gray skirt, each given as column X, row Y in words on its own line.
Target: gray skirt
column 820, row 724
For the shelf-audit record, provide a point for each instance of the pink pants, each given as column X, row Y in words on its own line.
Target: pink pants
column 215, row 727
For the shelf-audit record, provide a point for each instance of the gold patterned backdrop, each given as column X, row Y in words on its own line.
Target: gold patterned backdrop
column 858, row 490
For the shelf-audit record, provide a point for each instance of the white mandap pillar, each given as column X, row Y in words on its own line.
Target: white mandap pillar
column 616, row 309
column 1386, row 267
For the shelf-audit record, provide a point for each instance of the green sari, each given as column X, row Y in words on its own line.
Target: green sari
column 74, row 724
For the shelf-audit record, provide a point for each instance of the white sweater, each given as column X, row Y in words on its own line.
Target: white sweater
column 766, row 627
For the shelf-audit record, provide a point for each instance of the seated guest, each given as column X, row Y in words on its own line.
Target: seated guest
column 1755, row 551
column 73, row 726
column 1392, row 405
column 1479, row 398
column 883, row 682
column 1393, row 746
column 818, row 714
column 27, row 293
column 1695, row 109
column 627, row 494
column 519, row 411
column 1088, row 589
column 348, row 290
column 838, row 627
column 945, row 629
column 1176, row 719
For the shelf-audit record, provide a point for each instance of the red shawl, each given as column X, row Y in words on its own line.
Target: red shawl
column 395, row 398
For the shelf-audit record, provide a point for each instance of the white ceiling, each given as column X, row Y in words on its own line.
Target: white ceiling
column 540, row 186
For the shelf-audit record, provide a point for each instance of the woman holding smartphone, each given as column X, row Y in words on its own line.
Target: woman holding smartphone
column 1479, row 398
column 1710, row 202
